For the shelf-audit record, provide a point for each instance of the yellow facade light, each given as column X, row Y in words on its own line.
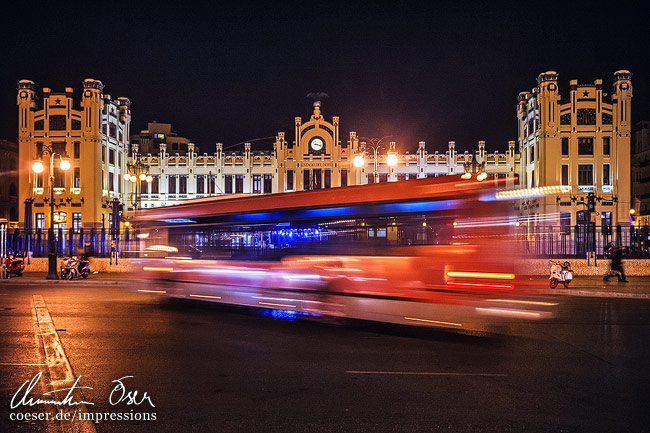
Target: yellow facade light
column 632, row 211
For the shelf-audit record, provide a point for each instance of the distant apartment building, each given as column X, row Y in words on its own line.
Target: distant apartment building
column 9, row 181
column 641, row 173
column 150, row 140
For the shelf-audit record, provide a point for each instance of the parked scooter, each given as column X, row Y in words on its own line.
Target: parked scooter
column 14, row 266
column 73, row 267
column 560, row 273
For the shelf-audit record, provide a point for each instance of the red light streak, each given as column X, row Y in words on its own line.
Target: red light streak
column 481, row 285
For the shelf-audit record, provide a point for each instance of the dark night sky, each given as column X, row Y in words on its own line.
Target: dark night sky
column 446, row 71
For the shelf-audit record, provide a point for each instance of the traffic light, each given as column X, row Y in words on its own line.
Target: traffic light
column 591, row 202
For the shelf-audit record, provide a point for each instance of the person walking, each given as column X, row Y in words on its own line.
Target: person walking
column 616, row 264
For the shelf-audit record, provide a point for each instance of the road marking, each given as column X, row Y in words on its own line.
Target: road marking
column 435, row 322
column 205, row 296
column 60, row 370
column 426, row 373
column 271, row 304
column 152, row 291
column 18, row 364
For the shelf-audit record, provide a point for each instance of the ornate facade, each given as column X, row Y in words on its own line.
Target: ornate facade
column 315, row 158
column 582, row 144
column 93, row 135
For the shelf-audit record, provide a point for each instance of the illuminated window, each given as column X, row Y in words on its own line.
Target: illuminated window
column 585, row 175
column 257, row 183
column 77, row 177
column 76, row 222
column 40, row 221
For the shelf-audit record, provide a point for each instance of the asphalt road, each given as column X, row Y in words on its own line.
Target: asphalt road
column 207, row 368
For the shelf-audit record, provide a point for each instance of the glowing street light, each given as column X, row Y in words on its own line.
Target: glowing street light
column 127, row 177
column 64, row 164
column 38, row 167
column 391, row 160
column 358, row 161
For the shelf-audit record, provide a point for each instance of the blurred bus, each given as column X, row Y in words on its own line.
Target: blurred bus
column 428, row 252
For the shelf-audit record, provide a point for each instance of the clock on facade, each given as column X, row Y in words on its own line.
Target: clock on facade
column 316, row 144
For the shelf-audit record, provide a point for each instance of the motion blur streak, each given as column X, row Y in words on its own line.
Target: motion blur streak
column 482, row 285
column 508, row 313
column 205, row 296
column 481, row 275
column 437, row 322
column 157, row 269
column 516, row 301
column 277, row 305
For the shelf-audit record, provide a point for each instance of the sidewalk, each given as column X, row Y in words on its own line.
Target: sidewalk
column 101, row 278
column 636, row 288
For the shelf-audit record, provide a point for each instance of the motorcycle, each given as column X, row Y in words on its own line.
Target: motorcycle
column 14, row 266
column 73, row 267
column 560, row 273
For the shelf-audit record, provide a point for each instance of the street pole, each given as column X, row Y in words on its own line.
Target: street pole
column 51, row 255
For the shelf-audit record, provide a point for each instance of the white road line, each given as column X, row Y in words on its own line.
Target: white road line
column 426, row 373
column 19, row 364
column 61, row 374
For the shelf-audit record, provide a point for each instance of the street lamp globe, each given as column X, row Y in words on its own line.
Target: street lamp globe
column 37, row 167
column 358, row 161
column 133, row 179
column 64, row 164
column 127, row 177
column 391, row 159
column 142, row 176
column 149, row 178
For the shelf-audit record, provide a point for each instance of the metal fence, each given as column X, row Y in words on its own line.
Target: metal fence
column 536, row 241
column 579, row 240
column 98, row 243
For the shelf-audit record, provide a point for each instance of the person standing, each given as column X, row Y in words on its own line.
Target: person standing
column 616, row 265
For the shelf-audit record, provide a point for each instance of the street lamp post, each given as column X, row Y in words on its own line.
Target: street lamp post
column 38, row 167
column 375, row 145
column 137, row 172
